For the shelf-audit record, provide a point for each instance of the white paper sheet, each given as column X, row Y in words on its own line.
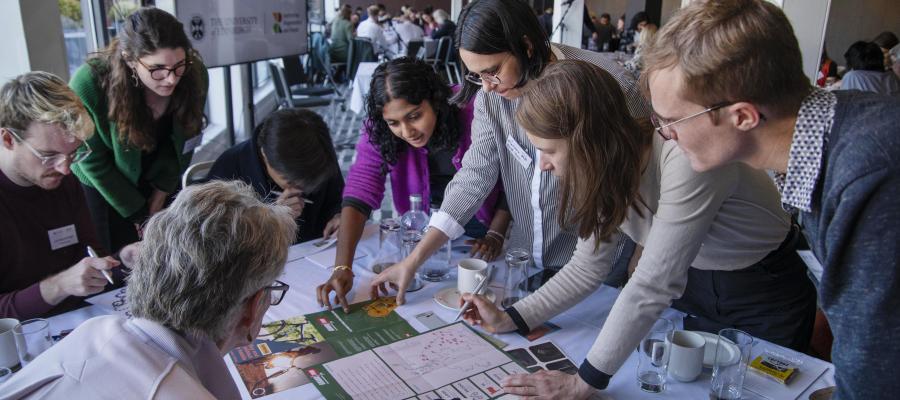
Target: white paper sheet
column 113, row 301
column 441, row 360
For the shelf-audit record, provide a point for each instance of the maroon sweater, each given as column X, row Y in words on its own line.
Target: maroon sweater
column 27, row 214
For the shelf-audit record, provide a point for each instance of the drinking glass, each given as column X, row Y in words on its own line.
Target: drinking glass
column 653, row 357
column 730, row 365
column 410, row 239
column 32, row 338
column 517, row 262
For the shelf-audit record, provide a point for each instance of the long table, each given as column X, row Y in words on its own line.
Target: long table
column 580, row 325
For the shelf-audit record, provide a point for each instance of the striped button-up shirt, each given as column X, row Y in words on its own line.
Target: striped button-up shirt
column 501, row 149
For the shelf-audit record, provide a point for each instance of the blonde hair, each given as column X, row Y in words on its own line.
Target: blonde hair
column 730, row 51
column 204, row 255
column 42, row 97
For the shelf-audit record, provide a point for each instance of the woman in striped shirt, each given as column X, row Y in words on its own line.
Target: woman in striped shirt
column 503, row 48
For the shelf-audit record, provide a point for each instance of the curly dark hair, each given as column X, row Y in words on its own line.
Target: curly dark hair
column 414, row 81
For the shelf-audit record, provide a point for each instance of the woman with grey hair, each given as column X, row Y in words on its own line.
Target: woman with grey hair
column 446, row 27
column 202, row 283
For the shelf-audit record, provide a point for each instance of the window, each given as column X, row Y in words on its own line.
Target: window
column 260, row 74
column 116, row 12
column 73, row 31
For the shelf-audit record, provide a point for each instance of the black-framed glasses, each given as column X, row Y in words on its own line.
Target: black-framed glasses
column 277, row 291
column 479, row 78
column 160, row 73
column 665, row 130
column 55, row 160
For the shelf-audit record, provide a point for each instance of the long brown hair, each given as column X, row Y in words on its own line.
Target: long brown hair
column 583, row 104
column 144, row 32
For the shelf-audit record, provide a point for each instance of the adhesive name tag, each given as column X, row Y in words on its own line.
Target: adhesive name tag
column 518, row 152
column 62, row 237
column 192, row 143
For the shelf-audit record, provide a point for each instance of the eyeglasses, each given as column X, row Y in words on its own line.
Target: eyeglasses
column 160, row 73
column 479, row 77
column 665, row 130
column 56, row 160
column 277, row 291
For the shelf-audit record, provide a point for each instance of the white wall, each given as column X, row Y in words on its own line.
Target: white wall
column 808, row 18
column 32, row 38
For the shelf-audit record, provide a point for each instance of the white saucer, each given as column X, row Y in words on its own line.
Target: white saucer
column 731, row 355
column 448, row 298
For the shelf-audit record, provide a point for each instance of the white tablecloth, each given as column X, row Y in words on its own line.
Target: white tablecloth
column 580, row 326
column 361, row 86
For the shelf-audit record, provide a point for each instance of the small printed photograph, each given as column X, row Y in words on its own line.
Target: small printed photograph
column 278, row 372
column 294, row 330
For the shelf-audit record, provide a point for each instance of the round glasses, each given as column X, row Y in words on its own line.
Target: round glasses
column 56, row 160
column 160, row 73
column 479, row 78
column 665, row 129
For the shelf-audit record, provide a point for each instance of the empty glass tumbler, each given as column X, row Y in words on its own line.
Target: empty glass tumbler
column 32, row 339
column 730, row 365
column 516, row 287
column 653, row 357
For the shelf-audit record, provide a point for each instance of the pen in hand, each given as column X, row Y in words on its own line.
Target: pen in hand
column 481, row 285
column 279, row 193
column 92, row 253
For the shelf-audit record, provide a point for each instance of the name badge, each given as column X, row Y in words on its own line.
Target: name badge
column 62, row 237
column 518, row 152
column 192, row 143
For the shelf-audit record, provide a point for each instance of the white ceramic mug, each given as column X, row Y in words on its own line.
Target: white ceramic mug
column 470, row 272
column 9, row 356
column 686, row 355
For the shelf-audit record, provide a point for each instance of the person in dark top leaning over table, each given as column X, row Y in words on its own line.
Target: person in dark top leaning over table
column 145, row 93
column 836, row 156
column 414, row 135
column 290, row 160
column 44, row 221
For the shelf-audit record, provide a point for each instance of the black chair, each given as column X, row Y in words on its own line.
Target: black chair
column 285, row 99
column 441, row 60
column 298, row 81
column 361, row 50
column 413, row 47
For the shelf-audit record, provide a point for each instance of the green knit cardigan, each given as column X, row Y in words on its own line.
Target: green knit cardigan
column 114, row 167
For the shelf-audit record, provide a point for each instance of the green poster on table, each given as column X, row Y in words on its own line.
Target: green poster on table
column 275, row 361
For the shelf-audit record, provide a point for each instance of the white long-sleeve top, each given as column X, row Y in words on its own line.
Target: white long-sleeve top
column 726, row 219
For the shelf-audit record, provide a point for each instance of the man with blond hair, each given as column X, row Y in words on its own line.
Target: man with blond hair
column 44, row 222
column 726, row 83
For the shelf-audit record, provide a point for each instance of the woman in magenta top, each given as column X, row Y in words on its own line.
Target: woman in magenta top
column 414, row 135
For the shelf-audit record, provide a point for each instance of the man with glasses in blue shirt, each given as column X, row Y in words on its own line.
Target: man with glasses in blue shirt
column 45, row 227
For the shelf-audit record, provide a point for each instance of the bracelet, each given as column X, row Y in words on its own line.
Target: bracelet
column 495, row 234
column 343, row 268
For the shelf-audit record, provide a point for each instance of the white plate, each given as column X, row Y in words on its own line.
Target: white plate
column 448, row 298
column 731, row 355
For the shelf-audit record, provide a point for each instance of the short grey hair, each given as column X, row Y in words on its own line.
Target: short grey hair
column 202, row 257
column 440, row 16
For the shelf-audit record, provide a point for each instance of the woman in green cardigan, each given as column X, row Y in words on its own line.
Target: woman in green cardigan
column 145, row 93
